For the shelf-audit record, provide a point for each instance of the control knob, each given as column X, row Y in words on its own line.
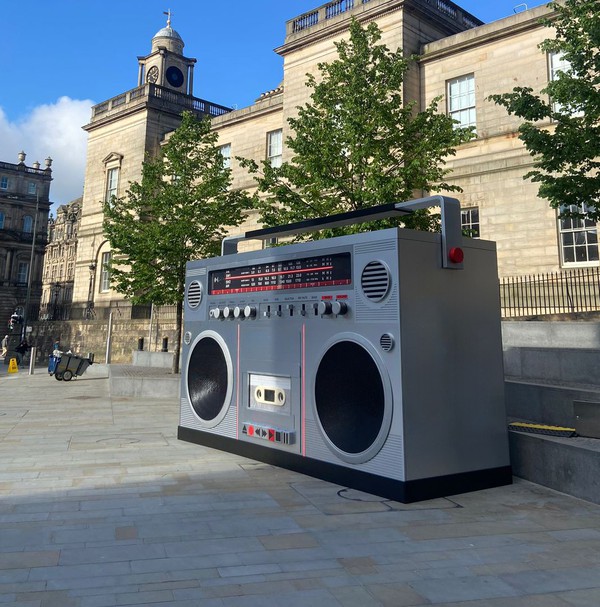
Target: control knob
column 215, row 313
column 250, row 312
column 227, row 312
column 237, row 312
column 324, row 308
column 339, row 308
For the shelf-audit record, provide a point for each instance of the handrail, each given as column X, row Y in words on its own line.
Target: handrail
column 450, row 213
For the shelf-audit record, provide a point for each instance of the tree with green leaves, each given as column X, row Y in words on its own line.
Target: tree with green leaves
column 561, row 127
column 179, row 211
column 356, row 144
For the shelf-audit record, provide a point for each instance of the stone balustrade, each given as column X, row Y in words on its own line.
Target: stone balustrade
column 154, row 93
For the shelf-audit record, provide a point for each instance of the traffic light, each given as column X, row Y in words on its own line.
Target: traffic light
column 14, row 319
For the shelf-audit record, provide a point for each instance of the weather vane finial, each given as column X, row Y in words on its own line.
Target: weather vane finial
column 168, row 14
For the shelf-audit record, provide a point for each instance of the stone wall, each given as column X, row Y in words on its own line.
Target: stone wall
column 83, row 336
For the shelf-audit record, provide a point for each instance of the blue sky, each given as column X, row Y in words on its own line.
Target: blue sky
column 62, row 56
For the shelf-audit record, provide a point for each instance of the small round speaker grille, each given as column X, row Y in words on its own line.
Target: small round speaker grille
column 375, row 280
column 194, row 294
column 386, row 341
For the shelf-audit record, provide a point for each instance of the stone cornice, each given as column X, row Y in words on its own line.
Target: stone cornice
column 445, row 14
column 501, row 29
column 260, row 108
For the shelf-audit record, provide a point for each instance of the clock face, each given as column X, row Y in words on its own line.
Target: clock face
column 174, row 76
column 152, row 75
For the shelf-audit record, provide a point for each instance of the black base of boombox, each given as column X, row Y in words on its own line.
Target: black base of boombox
column 404, row 492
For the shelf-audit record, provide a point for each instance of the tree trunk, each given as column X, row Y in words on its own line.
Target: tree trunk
column 178, row 327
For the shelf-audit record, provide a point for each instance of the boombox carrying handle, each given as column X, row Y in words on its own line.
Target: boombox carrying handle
column 450, row 213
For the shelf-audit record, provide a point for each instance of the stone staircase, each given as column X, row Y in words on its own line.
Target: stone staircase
column 552, row 372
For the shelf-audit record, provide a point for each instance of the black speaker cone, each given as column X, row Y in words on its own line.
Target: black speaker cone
column 207, row 378
column 349, row 397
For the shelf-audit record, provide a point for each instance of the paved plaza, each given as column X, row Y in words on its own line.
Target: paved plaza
column 101, row 505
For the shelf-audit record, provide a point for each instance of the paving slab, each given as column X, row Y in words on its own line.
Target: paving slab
column 101, row 505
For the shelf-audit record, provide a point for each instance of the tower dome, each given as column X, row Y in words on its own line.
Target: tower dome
column 168, row 38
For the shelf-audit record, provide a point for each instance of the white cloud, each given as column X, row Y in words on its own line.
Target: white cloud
column 51, row 130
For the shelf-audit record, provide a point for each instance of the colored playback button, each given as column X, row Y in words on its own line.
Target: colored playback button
column 272, row 435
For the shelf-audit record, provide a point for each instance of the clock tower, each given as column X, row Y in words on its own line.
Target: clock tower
column 166, row 65
column 122, row 133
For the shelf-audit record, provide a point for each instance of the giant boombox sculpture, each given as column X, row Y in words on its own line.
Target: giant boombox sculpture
column 373, row 360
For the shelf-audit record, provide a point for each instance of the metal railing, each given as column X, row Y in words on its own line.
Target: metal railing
column 566, row 292
column 337, row 7
column 51, row 311
column 327, row 11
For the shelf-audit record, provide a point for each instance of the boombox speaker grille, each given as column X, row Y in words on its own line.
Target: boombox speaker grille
column 375, row 281
column 207, row 379
column 194, row 294
column 349, row 397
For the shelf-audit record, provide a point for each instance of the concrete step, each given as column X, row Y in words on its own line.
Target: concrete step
column 558, row 365
column 569, row 465
column 147, row 382
column 565, row 464
column 546, row 403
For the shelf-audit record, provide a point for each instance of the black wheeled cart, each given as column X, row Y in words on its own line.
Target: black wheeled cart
column 69, row 366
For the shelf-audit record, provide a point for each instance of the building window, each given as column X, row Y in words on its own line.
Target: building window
column 578, row 239
column 31, row 188
column 275, row 147
column 461, row 100
column 105, row 273
column 1, row 220
column 112, row 182
column 28, row 224
column 469, row 220
column 557, row 63
column 226, row 153
column 3, row 183
column 22, row 272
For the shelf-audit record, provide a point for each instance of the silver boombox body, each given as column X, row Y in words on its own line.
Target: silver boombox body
column 373, row 361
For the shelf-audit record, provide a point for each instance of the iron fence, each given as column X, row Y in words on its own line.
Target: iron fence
column 565, row 292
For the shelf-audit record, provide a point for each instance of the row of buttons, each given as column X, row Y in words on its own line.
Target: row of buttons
column 323, row 308
column 237, row 312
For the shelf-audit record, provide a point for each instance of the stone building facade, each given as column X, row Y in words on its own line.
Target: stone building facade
column 59, row 262
column 463, row 61
column 24, row 208
column 494, row 58
column 121, row 133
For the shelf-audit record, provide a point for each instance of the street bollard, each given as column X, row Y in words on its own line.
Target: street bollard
column 32, row 360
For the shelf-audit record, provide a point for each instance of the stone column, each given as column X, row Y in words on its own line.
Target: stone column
column 190, row 79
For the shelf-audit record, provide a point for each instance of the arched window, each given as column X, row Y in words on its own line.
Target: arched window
column 28, row 224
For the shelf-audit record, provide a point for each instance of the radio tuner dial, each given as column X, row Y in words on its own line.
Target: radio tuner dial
column 227, row 312
column 237, row 312
column 324, row 308
column 339, row 308
column 250, row 312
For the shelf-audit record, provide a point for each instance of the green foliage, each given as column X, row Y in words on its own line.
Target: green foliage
column 178, row 212
column 356, row 143
column 561, row 127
